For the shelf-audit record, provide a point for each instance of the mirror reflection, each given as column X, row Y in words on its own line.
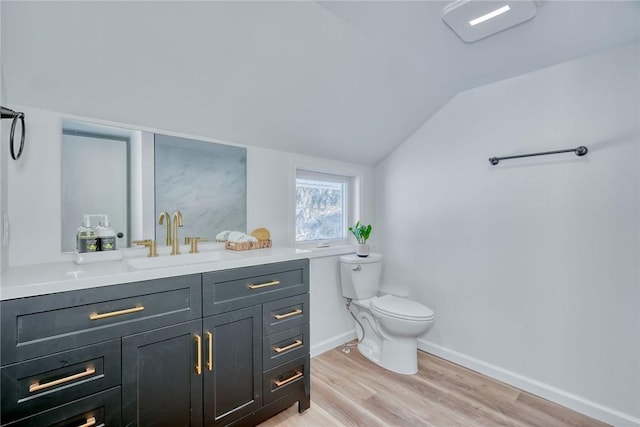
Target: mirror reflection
column 133, row 176
column 205, row 181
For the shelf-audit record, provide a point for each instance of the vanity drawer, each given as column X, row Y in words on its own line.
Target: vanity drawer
column 285, row 313
column 285, row 346
column 243, row 287
column 101, row 409
column 43, row 383
column 41, row 325
column 285, row 379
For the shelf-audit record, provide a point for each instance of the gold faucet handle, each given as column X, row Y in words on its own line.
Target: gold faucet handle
column 194, row 243
column 187, row 240
column 149, row 243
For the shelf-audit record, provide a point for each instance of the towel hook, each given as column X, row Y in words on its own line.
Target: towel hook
column 7, row 113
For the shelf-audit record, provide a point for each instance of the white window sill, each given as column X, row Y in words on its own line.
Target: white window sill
column 315, row 252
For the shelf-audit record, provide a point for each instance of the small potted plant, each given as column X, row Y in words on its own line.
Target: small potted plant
column 362, row 233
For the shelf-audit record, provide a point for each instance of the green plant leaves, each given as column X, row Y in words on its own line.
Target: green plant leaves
column 361, row 232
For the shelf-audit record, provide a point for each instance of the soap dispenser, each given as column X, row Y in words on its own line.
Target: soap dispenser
column 86, row 237
column 106, row 235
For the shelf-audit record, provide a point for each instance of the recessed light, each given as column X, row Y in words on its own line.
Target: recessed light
column 490, row 15
column 463, row 16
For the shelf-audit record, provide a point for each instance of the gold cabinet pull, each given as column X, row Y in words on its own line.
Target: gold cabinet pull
column 284, row 316
column 288, row 380
column 199, row 363
column 264, row 285
column 37, row 386
column 210, row 357
column 297, row 343
column 96, row 316
column 90, row 422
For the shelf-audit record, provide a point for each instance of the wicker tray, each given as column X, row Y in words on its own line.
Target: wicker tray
column 245, row 246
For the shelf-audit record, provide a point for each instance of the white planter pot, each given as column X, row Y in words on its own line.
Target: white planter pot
column 362, row 250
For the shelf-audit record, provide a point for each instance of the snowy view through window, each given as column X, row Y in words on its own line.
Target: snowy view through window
column 320, row 210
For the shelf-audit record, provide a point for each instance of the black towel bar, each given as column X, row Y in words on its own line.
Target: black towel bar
column 580, row 151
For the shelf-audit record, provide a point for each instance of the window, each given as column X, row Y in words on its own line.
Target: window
column 321, row 206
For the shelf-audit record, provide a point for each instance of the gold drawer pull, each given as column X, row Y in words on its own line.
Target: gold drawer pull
column 288, row 380
column 96, row 316
column 297, row 343
column 284, row 316
column 199, row 363
column 90, row 422
column 37, row 386
column 264, row 285
column 210, row 358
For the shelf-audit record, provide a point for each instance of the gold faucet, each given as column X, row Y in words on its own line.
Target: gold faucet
column 151, row 244
column 177, row 222
column 193, row 241
column 165, row 216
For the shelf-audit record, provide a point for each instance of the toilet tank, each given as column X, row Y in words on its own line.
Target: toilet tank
column 360, row 277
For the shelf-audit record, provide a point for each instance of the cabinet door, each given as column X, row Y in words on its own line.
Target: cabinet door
column 233, row 365
column 160, row 382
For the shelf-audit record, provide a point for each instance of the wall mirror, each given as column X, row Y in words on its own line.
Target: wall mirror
column 206, row 181
column 132, row 176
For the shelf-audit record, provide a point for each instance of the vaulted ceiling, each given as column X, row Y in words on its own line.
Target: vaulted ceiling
column 344, row 80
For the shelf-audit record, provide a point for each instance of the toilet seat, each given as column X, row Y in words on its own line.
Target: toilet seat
column 401, row 308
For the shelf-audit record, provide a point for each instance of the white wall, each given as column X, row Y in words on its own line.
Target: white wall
column 35, row 190
column 4, row 255
column 330, row 322
column 531, row 266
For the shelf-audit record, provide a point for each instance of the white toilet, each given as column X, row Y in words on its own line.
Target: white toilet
column 391, row 324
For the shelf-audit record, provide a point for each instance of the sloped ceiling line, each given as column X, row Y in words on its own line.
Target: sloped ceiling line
column 343, row 80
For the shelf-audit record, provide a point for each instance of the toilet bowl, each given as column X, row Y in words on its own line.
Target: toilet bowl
column 390, row 324
column 402, row 317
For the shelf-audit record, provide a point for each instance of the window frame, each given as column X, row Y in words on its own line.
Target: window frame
column 350, row 182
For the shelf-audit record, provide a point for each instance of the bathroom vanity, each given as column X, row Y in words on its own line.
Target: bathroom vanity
column 217, row 347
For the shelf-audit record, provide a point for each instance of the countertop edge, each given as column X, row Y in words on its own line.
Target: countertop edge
column 41, row 279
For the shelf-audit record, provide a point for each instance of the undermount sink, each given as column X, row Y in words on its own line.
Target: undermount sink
column 183, row 259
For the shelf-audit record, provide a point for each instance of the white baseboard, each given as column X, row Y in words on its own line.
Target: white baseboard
column 561, row 397
column 331, row 343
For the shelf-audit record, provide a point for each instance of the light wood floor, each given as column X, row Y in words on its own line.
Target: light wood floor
column 349, row 390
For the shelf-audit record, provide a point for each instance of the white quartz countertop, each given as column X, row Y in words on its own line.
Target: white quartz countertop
column 40, row 279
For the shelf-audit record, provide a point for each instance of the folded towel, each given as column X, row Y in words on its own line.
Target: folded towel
column 238, row 237
column 223, row 236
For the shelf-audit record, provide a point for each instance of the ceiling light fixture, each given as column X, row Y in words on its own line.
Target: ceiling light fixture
column 490, row 15
column 463, row 16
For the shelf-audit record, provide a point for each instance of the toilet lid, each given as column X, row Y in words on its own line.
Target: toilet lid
column 355, row 259
column 401, row 308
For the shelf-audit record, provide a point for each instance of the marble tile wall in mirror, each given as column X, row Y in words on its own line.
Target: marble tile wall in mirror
column 205, row 181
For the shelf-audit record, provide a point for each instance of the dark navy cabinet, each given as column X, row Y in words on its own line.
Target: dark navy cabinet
column 259, row 318
column 232, row 374
column 160, row 385
column 223, row 348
